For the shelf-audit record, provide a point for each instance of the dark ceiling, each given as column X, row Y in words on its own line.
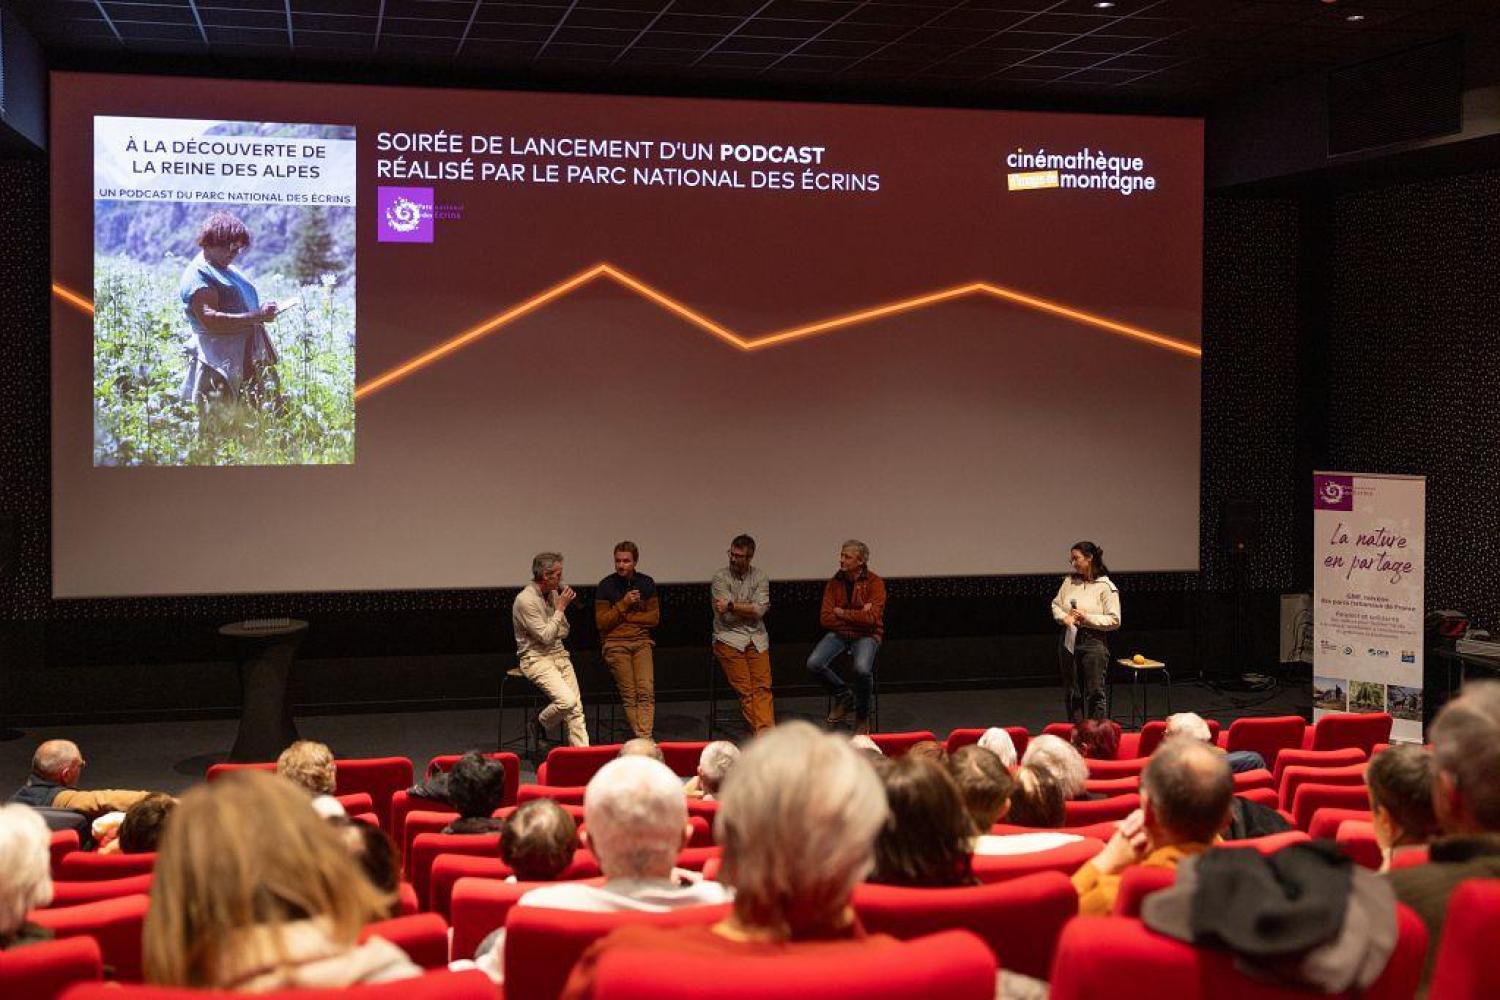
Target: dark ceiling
column 1167, row 54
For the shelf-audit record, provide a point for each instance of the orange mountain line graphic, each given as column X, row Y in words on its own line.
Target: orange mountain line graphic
column 728, row 336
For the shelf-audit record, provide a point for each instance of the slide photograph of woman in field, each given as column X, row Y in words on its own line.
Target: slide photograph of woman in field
column 224, row 329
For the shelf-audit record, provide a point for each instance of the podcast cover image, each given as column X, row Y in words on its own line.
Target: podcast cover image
column 224, row 293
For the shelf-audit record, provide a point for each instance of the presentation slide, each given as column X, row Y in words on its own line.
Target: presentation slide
column 310, row 337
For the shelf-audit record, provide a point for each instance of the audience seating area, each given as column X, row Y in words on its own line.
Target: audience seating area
column 1022, row 916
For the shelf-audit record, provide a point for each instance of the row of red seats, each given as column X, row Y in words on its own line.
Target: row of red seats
column 383, row 777
column 1026, row 926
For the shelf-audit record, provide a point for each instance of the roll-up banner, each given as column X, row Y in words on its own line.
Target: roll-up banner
column 1368, row 563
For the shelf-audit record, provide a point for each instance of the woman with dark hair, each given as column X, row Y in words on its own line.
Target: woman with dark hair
column 230, row 356
column 1087, row 606
column 928, row 837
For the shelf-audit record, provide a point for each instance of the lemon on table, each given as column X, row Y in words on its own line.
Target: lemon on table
column 1137, row 659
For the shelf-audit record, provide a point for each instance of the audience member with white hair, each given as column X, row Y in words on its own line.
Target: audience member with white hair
column 998, row 742
column 25, row 875
column 794, row 850
column 1191, row 724
column 635, row 820
column 1062, row 760
column 713, row 767
column 55, row 769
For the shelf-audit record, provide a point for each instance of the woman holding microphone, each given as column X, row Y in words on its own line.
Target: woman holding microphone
column 1087, row 605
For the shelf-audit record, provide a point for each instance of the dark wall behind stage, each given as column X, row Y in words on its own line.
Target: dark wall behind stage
column 1347, row 329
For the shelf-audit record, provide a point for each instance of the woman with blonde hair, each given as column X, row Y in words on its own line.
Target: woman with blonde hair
column 254, row 892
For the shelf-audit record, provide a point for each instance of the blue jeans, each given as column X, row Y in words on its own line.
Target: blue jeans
column 828, row 649
column 1244, row 760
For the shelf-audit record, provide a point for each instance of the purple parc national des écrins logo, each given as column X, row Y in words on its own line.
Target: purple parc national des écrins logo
column 405, row 214
column 1333, row 492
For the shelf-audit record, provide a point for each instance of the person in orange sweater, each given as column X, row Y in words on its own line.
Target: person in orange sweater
column 1186, row 794
column 854, row 614
column 626, row 609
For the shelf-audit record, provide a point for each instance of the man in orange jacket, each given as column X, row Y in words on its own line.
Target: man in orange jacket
column 854, row 614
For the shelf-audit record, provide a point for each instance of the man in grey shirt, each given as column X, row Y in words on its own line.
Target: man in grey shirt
column 741, row 598
column 541, row 625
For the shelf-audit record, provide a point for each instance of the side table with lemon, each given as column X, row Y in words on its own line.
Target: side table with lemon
column 1140, row 666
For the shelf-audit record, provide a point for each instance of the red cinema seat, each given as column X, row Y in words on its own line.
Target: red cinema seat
column 1270, row 843
column 1113, row 786
column 480, row 905
column 1311, row 798
column 706, row 809
column 1325, row 823
column 1468, row 963
column 1317, row 758
column 114, row 923
column 960, row 738
column 1267, row 736
column 1153, row 732
column 379, row 777
column 423, row 936
column 1067, row 859
column 1294, row 778
column 448, row 869
column 1136, row 883
column 1083, row 812
column 897, row 744
column 406, row 899
column 78, row 893
column 63, row 843
column 444, row 985
column 682, row 756
column 953, row 965
column 542, row 945
column 1259, row 778
column 508, row 760
column 1362, row 730
column 428, row 846
column 1020, row 920
column 574, row 766
column 1357, row 839
column 1125, row 768
column 356, row 804
column 45, row 969
column 1260, row 796
column 568, row 795
column 1118, row 958
column 86, row 866
column 418, row 823
column 1062, row 730
column 403, row 804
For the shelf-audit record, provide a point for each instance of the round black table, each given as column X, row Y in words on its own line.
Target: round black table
column 266, row 652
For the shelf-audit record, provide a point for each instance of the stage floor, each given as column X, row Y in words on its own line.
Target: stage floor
column 170, row 756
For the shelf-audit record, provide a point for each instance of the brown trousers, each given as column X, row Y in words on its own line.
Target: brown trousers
column 749, row 673
column 635, row 676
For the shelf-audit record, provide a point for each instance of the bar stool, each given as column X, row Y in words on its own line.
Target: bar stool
column 1137, row 671
column 531, row 704
column 729, row 718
